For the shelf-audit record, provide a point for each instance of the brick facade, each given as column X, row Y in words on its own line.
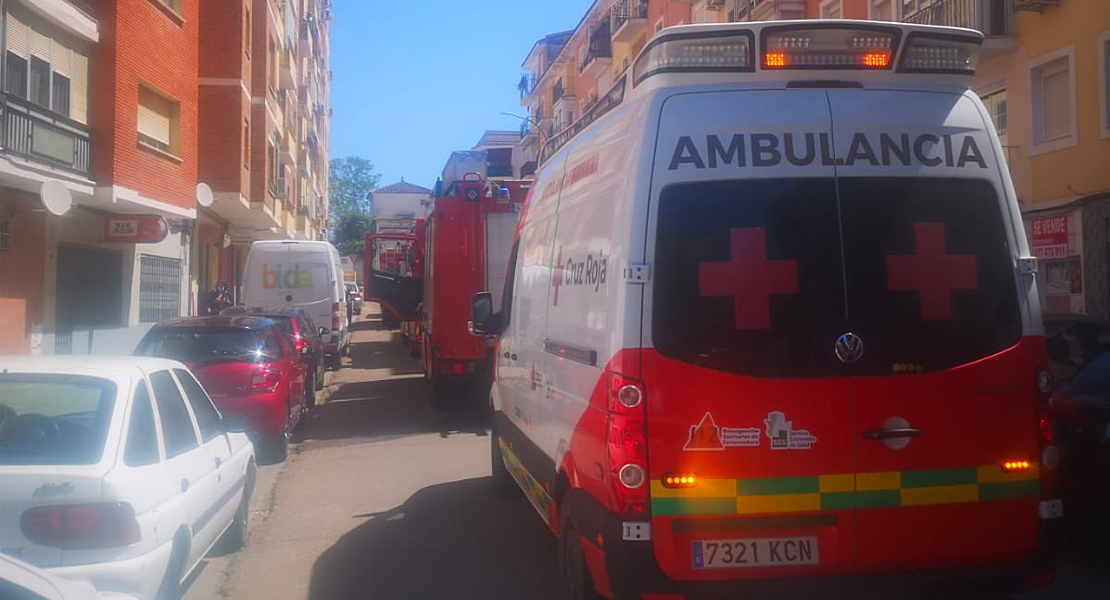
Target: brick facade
column 142, row 41
column 224, row 95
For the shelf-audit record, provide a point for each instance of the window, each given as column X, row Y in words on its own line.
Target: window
column 881, row 10
column 776, row 313
column 158, row 119
column 1052, row 81
column 174, row 5
column 247, row 33
column 246, row 144
column 272, row 346
column 1104, row 77
column 272, row 160
column 208, row 418
column 830, row 9
column 5, row 234
column 996, row 107
column 272, row 63
column 15, row 74
column 159, row 288
column 39, row 89
column 65, row 418
column 141, row 447
column 59, row 98
column 177, row 427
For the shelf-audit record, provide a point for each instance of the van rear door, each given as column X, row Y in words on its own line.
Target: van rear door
column 943, row 388
column 744, row 390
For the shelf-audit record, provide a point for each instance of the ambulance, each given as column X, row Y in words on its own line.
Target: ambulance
column 771, row 323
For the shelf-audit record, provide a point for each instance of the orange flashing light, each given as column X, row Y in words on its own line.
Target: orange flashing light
column 774, row 60
column 679, row 481
column 876, row 60
column 1015, row 466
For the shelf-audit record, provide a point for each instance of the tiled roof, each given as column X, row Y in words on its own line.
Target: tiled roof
column 402, row 187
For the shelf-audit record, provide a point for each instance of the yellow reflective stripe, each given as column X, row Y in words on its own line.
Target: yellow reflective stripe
column 867, row 482
column 778, row 504
column 947, row 494
column 706, row 488
column 837, row 483
column 995, row 474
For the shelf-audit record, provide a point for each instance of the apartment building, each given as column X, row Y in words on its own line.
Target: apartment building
column 98, row 116
column 263, row 129
column 1043, row 74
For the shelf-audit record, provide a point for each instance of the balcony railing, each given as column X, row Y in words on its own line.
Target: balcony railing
column 86, row 6
column 992, row 17
column 629, row 20
column 557, row 91
column 600, row 46
column 30, row 131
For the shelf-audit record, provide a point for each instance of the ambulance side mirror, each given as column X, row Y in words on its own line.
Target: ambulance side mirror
column 483, row 321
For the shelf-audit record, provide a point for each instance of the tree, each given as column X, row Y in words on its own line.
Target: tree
column 349, row 233
column 350, row 180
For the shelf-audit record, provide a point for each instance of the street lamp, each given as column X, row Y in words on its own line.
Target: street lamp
column 543, row 136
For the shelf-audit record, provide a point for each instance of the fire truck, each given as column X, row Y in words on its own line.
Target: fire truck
column 392, row 271
column 468, row 237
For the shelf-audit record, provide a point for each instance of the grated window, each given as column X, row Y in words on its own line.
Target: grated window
column 159, row 288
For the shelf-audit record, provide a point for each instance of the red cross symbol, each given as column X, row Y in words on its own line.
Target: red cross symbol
column 749, row 278
column 932, row 272
column 557, row 276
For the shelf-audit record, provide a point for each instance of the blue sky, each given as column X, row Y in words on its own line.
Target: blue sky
column 415, row 81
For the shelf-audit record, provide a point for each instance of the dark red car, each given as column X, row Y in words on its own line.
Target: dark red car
column 298, row 324
column 248, row 365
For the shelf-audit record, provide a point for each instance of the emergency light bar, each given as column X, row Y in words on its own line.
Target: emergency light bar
column 814, row 46
column 828, row 48
column 720, row 52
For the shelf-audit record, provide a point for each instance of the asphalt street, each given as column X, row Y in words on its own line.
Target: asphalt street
column 383, row 497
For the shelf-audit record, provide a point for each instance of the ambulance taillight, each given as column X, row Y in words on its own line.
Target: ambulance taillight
column 626, row 445
column 1049, row 452
column 939, row 54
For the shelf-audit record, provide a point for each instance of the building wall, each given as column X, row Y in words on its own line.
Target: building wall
column 21, row 271
column 142, row 42
column 225, row 52
column 224, row 112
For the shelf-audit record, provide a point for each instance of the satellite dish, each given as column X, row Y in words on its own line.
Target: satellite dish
column 204, row 195
column 56, row 197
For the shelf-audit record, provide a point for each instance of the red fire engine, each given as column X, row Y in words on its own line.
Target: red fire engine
column 468, row 238
column 393, row 268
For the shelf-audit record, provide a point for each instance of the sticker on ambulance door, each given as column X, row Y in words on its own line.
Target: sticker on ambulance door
column 783, row 436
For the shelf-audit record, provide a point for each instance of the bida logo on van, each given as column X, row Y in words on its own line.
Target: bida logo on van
column 277, row 278
column 803, row 149
column 590, row 271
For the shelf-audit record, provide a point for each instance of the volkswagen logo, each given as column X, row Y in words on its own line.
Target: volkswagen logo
column 849, row 348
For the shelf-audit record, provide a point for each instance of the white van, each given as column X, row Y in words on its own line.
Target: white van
column 301, row 274
column 770, row 320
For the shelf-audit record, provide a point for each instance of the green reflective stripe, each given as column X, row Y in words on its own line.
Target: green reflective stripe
column 693, row 506
column 770, row 486
column 878, row 498
column 939, row 477
column 838, row 500
column 1009, row 490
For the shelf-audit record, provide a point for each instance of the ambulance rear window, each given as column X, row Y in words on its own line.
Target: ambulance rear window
column 760, row 277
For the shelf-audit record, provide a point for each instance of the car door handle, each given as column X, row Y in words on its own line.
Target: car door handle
column 184, row 485
column 892, row 433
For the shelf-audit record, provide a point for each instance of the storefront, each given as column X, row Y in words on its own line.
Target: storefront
column 1071, row 242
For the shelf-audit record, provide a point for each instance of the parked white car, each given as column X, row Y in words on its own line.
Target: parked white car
column 21, row 581
column 119, row 470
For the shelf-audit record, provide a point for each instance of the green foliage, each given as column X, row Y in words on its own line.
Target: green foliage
column 350, row 180
column 349, row 234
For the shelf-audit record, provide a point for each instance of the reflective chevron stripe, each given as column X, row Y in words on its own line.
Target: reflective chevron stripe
column 770, row 495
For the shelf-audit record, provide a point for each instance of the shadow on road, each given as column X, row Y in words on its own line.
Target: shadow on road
column 392, row 400
column 453, row 540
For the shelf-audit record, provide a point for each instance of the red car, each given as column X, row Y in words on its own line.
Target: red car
column 248, row 366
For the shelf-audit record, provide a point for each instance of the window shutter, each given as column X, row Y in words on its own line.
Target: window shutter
column 1057, row 101
column 79, row 87
column 18, row 38
column 40, row 44
column 60, row 58
column 154, row 116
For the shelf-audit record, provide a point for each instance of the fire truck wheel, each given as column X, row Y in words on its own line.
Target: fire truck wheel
column 502, row 482
column 334, row 361
column 577, row 582
column 389, row 320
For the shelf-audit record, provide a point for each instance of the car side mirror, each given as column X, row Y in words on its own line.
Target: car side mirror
column 324, row 331
column 483, row 321
column 234, row 424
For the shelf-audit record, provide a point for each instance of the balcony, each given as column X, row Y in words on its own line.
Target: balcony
column 598, row 53
column 288, row 77
column 993, row 17
column 32, row 132
column 629, row 20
